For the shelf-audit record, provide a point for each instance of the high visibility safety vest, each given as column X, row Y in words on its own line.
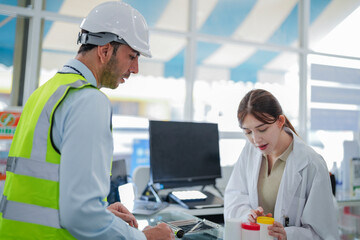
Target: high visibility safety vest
column 29, row 207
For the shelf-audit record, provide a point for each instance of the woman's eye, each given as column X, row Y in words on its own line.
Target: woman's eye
column 262, row 130
column 247, row 132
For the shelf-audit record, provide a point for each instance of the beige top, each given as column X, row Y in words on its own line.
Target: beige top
column 268, row 184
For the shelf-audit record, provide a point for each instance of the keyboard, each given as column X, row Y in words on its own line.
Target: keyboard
column 189, row 195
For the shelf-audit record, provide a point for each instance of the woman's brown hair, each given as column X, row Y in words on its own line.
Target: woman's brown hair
column 263, row 106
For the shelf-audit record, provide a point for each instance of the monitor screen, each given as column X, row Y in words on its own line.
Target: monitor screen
column 184, row 153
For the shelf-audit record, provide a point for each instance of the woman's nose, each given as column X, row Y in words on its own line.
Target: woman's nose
column 256, row 137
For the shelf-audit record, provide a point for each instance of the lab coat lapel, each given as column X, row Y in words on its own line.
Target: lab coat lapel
column 290, row 181
column 254, row 200
column 287, row 189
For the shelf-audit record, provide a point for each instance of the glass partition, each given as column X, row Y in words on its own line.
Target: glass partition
column 221, row 83
column 161, row 14
column 224, row 76
column 13, row 43
column 332, row 31
column 274, row 22
column 158, row 90
column 206, row 55
column 58, row 47
column 335, row 110
column 12, row 2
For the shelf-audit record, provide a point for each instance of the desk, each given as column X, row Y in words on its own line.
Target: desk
column 348, row 214
column 344, row 198
column 175, row 213
column 205, row 211
column 215, row 215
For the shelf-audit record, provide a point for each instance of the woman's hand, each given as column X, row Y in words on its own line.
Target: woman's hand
column 254, row 213
column 121, row 211
column 277, row 230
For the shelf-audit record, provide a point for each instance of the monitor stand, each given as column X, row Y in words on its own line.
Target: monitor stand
column 150, row 187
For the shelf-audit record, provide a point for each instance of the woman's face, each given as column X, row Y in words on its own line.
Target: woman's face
column 261, row 135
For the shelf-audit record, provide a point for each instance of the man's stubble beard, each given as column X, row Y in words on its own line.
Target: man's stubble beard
column 109, row 77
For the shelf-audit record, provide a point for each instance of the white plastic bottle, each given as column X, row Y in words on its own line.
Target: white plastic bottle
column 250, row 231
column 232, row 229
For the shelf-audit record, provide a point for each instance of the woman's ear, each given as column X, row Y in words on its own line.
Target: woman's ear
column 281, row 121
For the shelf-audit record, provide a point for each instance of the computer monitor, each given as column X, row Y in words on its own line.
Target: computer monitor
column 183, row 153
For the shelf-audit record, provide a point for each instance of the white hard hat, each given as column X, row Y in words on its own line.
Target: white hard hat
column 116, row 21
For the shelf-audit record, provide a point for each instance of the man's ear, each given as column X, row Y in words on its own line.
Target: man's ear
column 104, row 52
column 281, row 121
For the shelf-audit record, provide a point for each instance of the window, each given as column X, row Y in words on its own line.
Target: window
column 206, row 55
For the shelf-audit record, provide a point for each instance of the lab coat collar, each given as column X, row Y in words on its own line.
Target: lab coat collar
column 298, row 150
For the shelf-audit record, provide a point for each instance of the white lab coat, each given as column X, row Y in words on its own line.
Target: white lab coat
column 304, row 194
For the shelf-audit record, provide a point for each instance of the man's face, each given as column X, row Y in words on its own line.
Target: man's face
column 119, row 67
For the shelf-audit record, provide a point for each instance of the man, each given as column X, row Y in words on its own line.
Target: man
column 59, row 162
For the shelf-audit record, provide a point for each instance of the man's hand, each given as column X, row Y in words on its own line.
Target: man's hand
column 121, row 211
column 160, row 232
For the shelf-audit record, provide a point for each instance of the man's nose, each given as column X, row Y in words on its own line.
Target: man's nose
column 134, row 68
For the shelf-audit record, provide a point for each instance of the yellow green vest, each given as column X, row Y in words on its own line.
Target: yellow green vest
column 29, row 207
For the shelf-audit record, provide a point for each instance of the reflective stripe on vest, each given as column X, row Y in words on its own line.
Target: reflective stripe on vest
column 31, row 168
column 40, row 142
column 29, row 213
column 37, row 167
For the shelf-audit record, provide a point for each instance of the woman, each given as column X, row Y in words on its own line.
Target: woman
column 278, row 175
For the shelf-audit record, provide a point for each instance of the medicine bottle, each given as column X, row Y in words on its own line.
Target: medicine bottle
column 264, row 223
column 250, row 231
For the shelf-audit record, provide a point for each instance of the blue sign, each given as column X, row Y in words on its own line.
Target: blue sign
column 140, row 155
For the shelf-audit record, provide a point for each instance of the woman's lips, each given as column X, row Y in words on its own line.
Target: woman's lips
column 263, row 147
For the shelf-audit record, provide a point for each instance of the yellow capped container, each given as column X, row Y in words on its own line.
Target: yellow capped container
column 264, row 223
column 265, row 220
